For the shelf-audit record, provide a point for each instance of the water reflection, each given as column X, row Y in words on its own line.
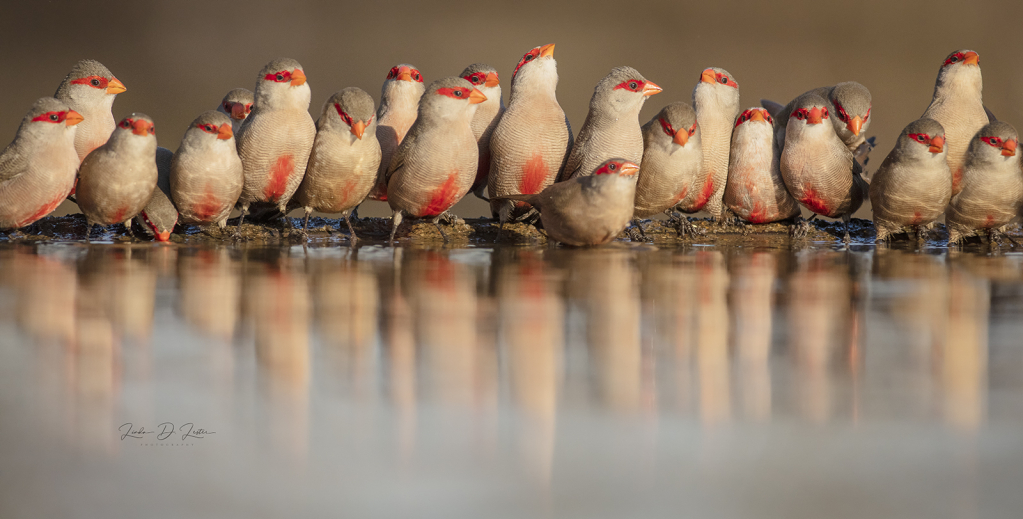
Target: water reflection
column 481, row 347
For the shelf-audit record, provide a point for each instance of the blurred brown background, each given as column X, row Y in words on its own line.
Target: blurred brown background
column 179, row 58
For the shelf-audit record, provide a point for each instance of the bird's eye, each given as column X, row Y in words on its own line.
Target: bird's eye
column 723, row 80
column 770, row 120
column 529, row 57
column 53, row 117
column 920, row 138
column 954, row 59
column 152, row 130
column 633, row 85
column 280, row 77
column 612, row 166
column 125, row 124
column 95, row 82
column 799, row 115
column 458, row 93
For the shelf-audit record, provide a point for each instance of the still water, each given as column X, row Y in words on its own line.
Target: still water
column 163, row 381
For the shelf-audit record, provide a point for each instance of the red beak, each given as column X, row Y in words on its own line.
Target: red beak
column 815, row 116
column 237, row 111
column 141, row 128
column 225, row 132
column 492, row 79
column 404, row 74
column 297, row 77
column 358, row 129
column 73, row 118
column 937, row 144
column 1009, row 148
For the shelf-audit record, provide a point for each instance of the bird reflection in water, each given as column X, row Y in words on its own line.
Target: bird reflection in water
column 276, row 307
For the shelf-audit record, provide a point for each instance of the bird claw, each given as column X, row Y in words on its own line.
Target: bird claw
column 636, row 232
column 800, row 229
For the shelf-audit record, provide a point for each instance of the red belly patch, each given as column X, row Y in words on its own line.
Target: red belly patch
column 119, row 214
column 442, row 198
column 534, row 174
column 207, row 207
column 957, row 180
column 759, row 213
column 916, row 218
column 814, row 202
column 708, row 189
column 277, row 181
column 989, row 222
column 43, row 211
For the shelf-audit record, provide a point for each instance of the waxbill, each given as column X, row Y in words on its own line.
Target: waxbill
column 611, row 129
column 159, row 216
column 237, row 105
column 117, row 179
column 275, row 140
column 206, row 176
column 992, row 184
column 913, row 185
column 958, row 106
column 672, row 161
column 818, row 168
column 716, row 100
column 435, row 165
column 38, row 168
column 533, row 137
column 346, row 156
column 590, row 209
column 849, row 104
column 90, row 89
column 488, row 114
column 755, row 190
column 399, row 104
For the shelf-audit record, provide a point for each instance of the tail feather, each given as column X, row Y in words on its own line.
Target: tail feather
column 772, row 108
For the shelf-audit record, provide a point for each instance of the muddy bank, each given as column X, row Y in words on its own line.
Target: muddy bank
column 462, row 233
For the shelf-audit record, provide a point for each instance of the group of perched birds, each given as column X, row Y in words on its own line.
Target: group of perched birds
column 425, row 147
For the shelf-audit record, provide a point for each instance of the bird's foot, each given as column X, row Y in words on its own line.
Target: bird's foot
column 799, row 229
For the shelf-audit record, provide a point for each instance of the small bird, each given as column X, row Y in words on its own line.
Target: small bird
column 849, row 103
column 275, row 140
column 237, row 105
column 611, row 129
column 346, row 156
column 818, row 169
column 716, row 100
column 117, row 179
column 160, row 216
column 38, row 168
column 206, row 176
column 590, row 209
column 755, row 190
column 672, row 161
column 992, row 184
column 435, row 165
column 913, row 185
column 958, row 106
column 532, row 139
column 399, row 104
column 488, row 114
column 90, row 89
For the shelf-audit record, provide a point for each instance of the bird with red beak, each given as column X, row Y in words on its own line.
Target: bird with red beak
column 913, row 186
column 992, row 185
column 159, row 216
column 611, row 129
column 435, row 165
column 90, row 89
column 237, row 105
column 346, row 156
column 488, row 114
column 206, row 176
column 755, row 190
column 958, row 105
column 716, row 101
column 275, row 140
column 817, row 167
column 38, row 168
column 399, row 105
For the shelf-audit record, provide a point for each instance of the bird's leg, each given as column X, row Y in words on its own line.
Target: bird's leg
column 395, row 222
column 845, row 226
column 800, row 227
column 436, row 223
column 238, row 230
column 636, row 228
column 351, row 230
column 305, row 223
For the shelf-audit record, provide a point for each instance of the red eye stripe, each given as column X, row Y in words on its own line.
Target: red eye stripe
column 842, row 115
column 692, row 129
column 127, row 123
column 476, row 78
column 344, row 117
column 994, row 141
column 98, row 82
column 209, row 128
column 632, row 85
column 530, row 56
column 51, row 117
column 283, row 76
column 955, row 58
column 393, row 73
column 455, row 92
column 666, row 126
column 920, row 137
column 725, row 80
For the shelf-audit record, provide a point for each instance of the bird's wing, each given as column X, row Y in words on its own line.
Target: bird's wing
column 12, row 163
column 772, row 107
column 990, row 116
